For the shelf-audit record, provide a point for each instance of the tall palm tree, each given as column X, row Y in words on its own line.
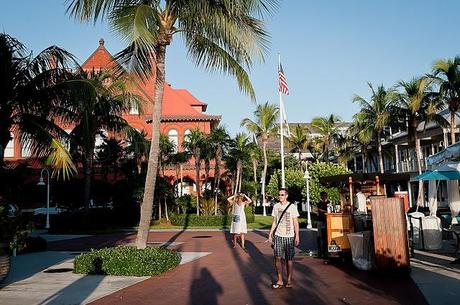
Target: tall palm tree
column 29, row 96
column 96, row 103
column 375, row 114
column 177, row 159
column 361, row 137
column 264, row 127
column 193, row 143
column 219, row 35
column 327, row 129
column 207, row 153
column 220, row 140
column 416, row 105
column 446, row 73
column 298, row 141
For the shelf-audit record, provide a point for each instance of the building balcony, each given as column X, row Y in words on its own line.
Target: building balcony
column 410, row 166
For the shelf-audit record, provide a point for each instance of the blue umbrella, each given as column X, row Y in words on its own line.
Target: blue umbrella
column 439, row 175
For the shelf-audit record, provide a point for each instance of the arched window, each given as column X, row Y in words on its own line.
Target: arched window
column 9, row 149
column 174, row 138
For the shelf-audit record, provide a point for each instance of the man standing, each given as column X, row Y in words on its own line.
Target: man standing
column 360, row 203
column 284, row 235
column 321, row 224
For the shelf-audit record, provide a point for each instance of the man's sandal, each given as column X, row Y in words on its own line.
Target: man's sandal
column 288, row 285
column 277, row 286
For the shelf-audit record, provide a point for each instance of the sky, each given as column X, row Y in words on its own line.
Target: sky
column 329, row 49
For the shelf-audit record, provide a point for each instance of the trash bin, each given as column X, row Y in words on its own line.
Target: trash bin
column 362, row 252
column 432, row 232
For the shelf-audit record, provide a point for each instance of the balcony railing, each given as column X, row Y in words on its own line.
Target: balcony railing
column 408, row 166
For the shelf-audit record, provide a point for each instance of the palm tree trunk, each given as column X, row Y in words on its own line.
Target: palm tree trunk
column 452, row 127
column 207, row 168
column 382, row 170
column 197, row 182
column 166, row 210
column 159, row 209
column 264, row 175
column 300, row 160
column 421, row 195
column 217, row 176
column 237, row 182
column 254, row 170
column 150, row 180
column 87, row 172
column 240, row 170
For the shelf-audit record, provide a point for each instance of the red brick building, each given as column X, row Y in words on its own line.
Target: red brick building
column 181, row 112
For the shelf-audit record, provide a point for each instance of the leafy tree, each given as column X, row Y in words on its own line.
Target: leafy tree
column 109, row 155
column 328, row 131
column 298, row 141
column 137, row 147
column 166, row 150
column 264, row 127
column 219, row 35
column 446, row 73
column 375, row 114
column 95, row 104
column 193, row 143
column 294, row 182
column 416, row 105
column 321, row 169
column 220, row 141
column 30, row 96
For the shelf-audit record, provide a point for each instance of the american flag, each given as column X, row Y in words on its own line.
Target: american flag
column 283, row 86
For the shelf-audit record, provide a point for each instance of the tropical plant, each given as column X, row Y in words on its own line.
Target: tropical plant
column 375, row 114
column 166, row 151
column 264, row 127
column 327, row 128
column 446, row 73
column 193, row 143
column 239, row 152
column 417, row 105
column 219, row 35
column 29, row 99
column 220, row 140
column 298, row 141
column 177, row 159
column 109, row 155
column 95, row 105
column 254, row 155
column 294, row 182
column 323, row 169
column 137, row 147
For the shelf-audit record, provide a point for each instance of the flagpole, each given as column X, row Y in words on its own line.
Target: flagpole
column 281, row 114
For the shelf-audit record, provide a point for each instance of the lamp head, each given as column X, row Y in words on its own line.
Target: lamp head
column 41, row 182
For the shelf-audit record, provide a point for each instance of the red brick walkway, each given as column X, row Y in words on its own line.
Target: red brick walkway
column 232, row 276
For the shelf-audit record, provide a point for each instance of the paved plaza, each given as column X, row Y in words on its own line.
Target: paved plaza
column 212, row 272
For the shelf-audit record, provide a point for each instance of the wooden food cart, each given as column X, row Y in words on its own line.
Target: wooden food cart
column 340, row 223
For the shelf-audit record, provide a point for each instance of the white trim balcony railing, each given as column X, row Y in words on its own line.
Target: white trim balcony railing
column 410, row 166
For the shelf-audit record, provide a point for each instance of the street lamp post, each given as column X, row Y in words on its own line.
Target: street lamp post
column 307, row 182
column 41, row 182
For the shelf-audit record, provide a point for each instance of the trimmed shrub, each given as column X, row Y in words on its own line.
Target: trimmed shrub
column 127, row 261
column 208, row 220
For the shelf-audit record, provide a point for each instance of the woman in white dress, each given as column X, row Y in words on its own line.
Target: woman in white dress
column 239, row 226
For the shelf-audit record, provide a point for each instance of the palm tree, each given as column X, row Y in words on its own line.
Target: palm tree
column 375, row 114
column 193, row 143
column 298, row 141
column 109, row 155
column 177, row 159
column 207, row 153
column 219, row 35
column 254, row 154
column 29, row 97
column 220, row 140
column 361, row 137
column 137, row 147
column 96, row 103
column 327, row 129
column 446, row 73
column 166, row 150
column 416, row 105
column 264, row 126
column 239, row 152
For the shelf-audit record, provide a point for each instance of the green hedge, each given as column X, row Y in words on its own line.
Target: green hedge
column 127, row 261
column 207, row 221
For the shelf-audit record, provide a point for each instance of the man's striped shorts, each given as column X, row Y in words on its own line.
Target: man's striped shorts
column 284, row 247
